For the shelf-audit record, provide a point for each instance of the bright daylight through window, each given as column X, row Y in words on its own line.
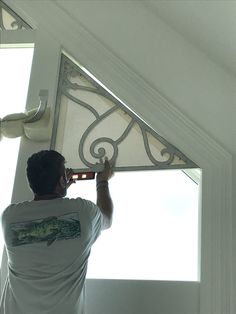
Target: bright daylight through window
column 155, row 231
column 15, row 65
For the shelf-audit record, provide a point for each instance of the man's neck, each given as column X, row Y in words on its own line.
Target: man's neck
column 46, row 197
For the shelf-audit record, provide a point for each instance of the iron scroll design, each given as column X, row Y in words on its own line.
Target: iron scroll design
column 170, row 156
column 17, row 23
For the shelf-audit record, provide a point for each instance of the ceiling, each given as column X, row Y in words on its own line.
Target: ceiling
column 208, row 24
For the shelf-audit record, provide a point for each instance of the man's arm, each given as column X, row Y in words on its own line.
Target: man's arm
column 104, row 201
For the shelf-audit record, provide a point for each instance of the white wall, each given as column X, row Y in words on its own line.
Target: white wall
column 141, row 297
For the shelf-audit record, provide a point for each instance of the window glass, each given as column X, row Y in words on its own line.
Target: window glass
column 155, row 231
column 15, row 65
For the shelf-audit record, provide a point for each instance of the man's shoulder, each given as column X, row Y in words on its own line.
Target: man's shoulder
column 12, row 206
column 79, row 200
column 87, row 207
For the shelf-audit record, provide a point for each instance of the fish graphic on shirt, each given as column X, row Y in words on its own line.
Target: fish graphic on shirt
column 47, row 230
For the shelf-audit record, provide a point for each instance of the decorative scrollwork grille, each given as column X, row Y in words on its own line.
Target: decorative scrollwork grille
column 91, row 124
column 9, row 20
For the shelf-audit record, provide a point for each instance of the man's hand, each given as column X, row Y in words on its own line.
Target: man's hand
column 106, row 174
column 69, row 180
column 104, row 200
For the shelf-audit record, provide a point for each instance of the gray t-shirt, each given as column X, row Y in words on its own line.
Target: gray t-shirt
column 48, row 243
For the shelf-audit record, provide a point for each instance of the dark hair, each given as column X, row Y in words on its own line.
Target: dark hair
column 44, row 170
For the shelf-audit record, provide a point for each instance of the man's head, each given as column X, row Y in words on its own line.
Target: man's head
column 46, row 173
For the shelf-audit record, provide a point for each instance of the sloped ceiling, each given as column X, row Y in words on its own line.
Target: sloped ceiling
column 210, row 25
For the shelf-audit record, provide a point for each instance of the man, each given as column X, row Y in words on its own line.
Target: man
column 48, row 239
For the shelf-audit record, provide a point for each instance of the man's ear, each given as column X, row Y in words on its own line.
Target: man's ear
column 62, row 182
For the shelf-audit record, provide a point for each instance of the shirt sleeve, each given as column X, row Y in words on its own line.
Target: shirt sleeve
column 95, row 219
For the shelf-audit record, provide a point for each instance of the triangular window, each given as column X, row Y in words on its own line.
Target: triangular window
column 9, row 20
column 91, row 124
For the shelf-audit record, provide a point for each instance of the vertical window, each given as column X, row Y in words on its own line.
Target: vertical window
column 15, row 65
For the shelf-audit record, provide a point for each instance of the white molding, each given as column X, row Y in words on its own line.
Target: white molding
column 216, row 273
column 20, row 37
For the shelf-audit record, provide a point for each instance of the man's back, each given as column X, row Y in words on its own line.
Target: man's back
column 48, row 244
